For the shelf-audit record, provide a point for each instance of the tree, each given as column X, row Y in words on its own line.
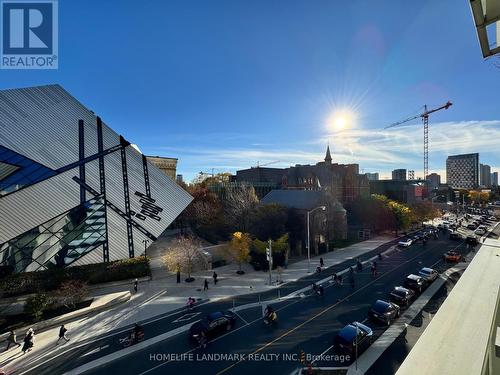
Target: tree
column 70, row 293
column 269, row 221
column 204, row 214
column 239, row 249
column 240, row 202
column 185, row 255
column 423, row 211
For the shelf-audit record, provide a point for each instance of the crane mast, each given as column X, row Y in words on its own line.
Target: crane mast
column 425, row 120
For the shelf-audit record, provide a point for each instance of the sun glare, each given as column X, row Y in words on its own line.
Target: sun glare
column 340, row 120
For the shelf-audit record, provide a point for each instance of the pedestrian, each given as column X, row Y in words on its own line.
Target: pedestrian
column 335, row 279
column 135, row 285
column 29, row 339
column 215, row 278
column 318, row 270
column 178, row 276
column 11, row 340
column 205, row 285
column 321, row 263
column 62, row 334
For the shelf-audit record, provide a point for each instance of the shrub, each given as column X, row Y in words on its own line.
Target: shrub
column 51, row 279
column 36, row 305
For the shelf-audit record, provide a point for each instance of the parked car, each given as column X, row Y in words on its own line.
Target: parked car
column 471, row 226
column 471, row 240
column 455, row 236
column 415, row 283
column 452, row 256
column 401, row 296
column 428, row 274
column 405, row 242
column 213, row 324
column 352, row 335
column 480, row 231
column 384, row 311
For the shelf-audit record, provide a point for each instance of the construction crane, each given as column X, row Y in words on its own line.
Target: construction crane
column 262, row 165
column 425, row 119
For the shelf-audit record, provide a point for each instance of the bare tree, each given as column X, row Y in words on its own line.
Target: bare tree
column 239, row 203
column 185, row 255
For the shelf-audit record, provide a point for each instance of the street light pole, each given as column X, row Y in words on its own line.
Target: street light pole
column 309, row 237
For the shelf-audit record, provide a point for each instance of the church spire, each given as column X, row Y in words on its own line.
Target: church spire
column 328, row 157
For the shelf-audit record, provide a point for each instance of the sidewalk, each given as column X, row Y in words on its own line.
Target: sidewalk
column 161, row 296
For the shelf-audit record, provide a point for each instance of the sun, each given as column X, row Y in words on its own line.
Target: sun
column 340, row 120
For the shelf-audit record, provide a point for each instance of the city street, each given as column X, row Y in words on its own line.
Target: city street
column 305, row 324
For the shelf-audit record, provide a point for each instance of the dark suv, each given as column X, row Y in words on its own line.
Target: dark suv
column 384, row 311
column 401, row 296
column 415, row 283
column 214, row 323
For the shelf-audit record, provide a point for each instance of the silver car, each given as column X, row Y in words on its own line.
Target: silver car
column 428, row 274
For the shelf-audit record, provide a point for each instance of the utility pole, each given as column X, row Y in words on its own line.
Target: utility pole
column 269, row 253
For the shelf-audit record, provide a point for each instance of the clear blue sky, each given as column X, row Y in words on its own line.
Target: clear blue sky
column 225, row 84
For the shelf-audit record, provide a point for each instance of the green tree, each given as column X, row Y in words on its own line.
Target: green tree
column 269, row 221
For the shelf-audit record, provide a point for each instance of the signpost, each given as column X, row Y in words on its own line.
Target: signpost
column 269, row 257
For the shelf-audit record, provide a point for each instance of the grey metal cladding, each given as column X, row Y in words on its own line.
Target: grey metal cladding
column 41, row 123
column 36, row 204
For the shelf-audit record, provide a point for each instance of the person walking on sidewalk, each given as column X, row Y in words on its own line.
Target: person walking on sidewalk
column 62, row 334
column 215, row 278
column 321, row 263
column 11, row 340
column 205, row 285
column 29, row 339
column 136, row 282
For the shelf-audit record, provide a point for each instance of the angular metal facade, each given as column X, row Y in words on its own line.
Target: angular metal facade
column 72, row 191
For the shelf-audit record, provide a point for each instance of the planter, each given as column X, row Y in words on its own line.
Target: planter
column 240, row 272
column 189, row 279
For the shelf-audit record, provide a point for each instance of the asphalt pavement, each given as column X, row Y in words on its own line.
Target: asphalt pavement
column 306, row 325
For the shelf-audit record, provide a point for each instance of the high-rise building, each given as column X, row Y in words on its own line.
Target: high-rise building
column 494, row 179
column 434, row 180
column 372, row 176
column 399, row 174
column 462, row 171
column 485, row 175
column 72, row 191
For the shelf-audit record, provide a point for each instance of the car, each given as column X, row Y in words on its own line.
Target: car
column 428, row 274
column 405, row 242
column 384, row 311
column 446, row 222
column 415, row 283
column 471, row 226
column 353, row 338
column 455, row 236
column 401, row 296
column 213, row 324
column 480, row 231
column 417, row 237
column 452, row 256
column 471, row 240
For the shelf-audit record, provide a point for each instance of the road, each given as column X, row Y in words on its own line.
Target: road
column 305, row 324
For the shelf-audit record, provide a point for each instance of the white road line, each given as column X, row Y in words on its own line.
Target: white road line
column 322, row 354
column 239, row 316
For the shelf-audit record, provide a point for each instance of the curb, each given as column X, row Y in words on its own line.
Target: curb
column 118, row 283
column 56, row 321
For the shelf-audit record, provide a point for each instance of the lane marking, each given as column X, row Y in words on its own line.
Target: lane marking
column 239, row 316
column 186, row 317
column 321, row 313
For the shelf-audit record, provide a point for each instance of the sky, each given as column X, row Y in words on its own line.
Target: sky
column 229, row 84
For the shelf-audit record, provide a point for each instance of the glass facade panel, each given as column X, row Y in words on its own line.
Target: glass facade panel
column 58, row 242
column 28, row 172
